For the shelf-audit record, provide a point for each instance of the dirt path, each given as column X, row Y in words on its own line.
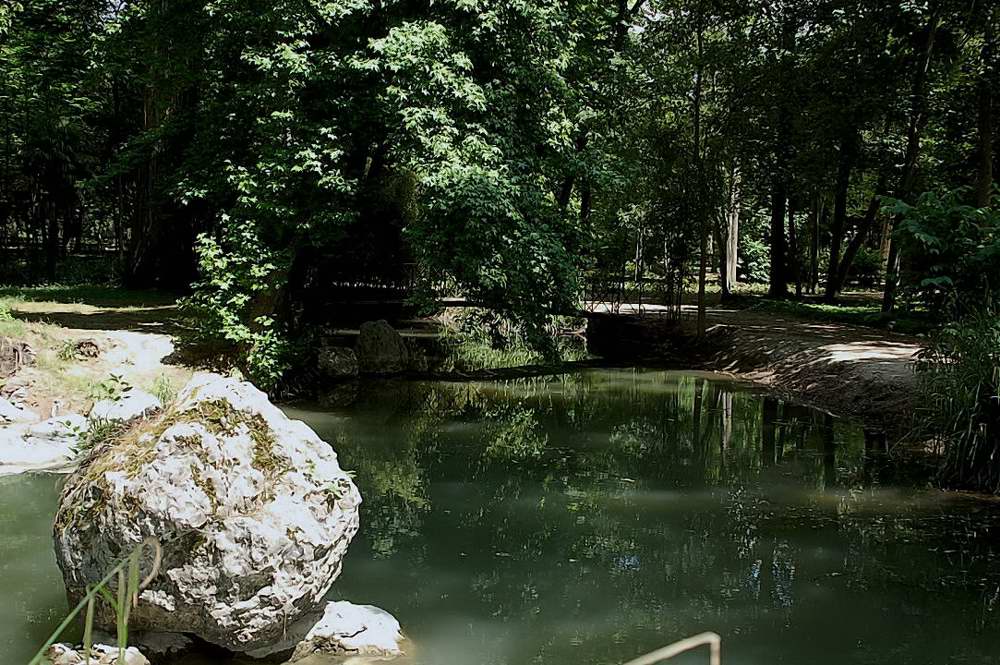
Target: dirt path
column 134, row 343
column 847, row 370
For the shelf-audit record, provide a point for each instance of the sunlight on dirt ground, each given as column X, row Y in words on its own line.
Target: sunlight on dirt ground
column 131, row 330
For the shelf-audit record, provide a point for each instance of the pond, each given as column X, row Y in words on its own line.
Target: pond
column 591, row 517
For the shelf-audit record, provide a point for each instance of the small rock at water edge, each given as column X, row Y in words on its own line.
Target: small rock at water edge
column 100, row 654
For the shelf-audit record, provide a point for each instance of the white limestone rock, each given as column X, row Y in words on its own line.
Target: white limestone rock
column 252, row 510
column 50, row 445
column 346, row 629
column 10, row 413
column 340, row 630
column 65, row 429
column 100, row 654
column 132, row 405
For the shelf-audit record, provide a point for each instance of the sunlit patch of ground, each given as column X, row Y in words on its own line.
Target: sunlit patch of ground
column 132, row 329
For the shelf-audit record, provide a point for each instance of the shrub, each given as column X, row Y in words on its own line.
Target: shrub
column 234, row 304
column 867, row 267
column 959, row 375
column 952, row 252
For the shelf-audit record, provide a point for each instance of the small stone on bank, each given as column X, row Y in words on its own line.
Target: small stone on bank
column 15, row 414
column 346, row 629
column 100, row 654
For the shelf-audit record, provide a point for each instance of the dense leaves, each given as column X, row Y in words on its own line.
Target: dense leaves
column 525, row 155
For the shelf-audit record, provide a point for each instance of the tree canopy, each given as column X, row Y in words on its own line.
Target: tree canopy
column 522, row 154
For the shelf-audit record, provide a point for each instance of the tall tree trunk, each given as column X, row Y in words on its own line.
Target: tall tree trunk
column 918, row 119
column 51, row 239
column 729, row 242
column 817, row 214
column 793, row 249
column 779, row 269
column 984, row 181
column 861, row 236
column 700, row 189
column 845, row 163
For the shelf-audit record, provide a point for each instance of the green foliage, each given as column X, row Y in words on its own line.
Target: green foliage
column 867, row 267
column 99, row 433
column 960, row 383
column 477, row 339
column 234, row 304
column 113, row 387
column 67, row 351
column 755, row 259
column 164, row 390
column 119, row 588
column 952, row 250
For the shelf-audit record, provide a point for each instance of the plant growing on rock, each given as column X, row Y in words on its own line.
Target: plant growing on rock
column 119, row 588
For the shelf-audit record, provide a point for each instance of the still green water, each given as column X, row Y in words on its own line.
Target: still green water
column 589, row 518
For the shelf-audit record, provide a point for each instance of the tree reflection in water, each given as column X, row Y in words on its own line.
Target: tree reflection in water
column 587, row 518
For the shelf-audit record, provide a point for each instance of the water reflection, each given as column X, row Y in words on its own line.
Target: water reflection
column 590, row 517
column 585, row 519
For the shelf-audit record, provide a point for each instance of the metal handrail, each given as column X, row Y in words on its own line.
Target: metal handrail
column 711, row 640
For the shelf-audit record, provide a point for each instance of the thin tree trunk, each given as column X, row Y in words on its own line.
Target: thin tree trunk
column 858, row 241
column 730, row 239
column 699, row 177
column 817, row 214
column 779, row 272
column 845, row 163
column 793, row 248
column 918, row 118
column 984, row 181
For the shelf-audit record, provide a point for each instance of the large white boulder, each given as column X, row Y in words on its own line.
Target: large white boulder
column 131, row 405
column 253, row 512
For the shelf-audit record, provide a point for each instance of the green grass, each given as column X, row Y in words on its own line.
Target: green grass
column 869, row 315
column 87, row 294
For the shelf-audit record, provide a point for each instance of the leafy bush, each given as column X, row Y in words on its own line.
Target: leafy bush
column 952, row 251
column 754, row 251
column 112, row 388
column 478, row 339
column 234, row 305
column 164, row 390
column 959, row 376
column 867, row 267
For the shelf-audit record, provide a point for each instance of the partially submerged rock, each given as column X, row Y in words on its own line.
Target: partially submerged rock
column 129, row 406
column 346, row 629
column 253, row 512
column 100, row 654
column 50, row 445
column 340, row 629
column 380, row 349
column 337, row 362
